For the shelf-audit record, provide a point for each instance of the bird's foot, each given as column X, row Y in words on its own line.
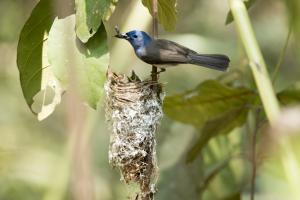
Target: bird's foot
column 162, row 70
column 158, row 72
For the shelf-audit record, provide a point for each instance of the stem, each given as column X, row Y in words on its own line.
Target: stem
column 146, row 192
column 253, row 153
column 155, row 34
column 282, row 54
column 253, row 159
column 257, row 63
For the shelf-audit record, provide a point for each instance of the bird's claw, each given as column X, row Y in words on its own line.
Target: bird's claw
column 158, row 72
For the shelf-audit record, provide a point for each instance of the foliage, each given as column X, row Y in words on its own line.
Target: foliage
column 90, row 59
column 222, row 124
column 49, row 73
column 291, row 95
column 206, row 102
column 30, row 47
column 166, row 12
column 89, row 16
column 212, row 107
column 63, row 38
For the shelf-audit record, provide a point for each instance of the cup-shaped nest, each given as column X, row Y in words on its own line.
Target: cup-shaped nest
column 134, row 110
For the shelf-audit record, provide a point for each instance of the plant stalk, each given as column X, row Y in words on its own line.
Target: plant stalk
column 256, row 60
column 282, row 55
column 155, row 34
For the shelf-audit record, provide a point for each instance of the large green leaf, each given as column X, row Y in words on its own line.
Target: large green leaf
column 212, row 107
column 35, row 74
column 89, row 16
column 248, row 5
column 290, row 95
column 222, row 124
column 206, row 102
column 166, row 12
column 29, row 55
column 90, row 60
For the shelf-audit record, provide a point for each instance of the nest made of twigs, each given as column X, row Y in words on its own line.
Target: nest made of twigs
column 134, row 110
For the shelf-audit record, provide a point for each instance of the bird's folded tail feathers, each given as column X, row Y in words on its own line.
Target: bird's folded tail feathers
column 213, row 61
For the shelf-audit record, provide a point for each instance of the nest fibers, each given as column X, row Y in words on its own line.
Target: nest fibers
column 134, row 110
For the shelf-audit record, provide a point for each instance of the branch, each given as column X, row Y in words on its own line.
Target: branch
column 155, row 34
column 257, row 63
column 282, row 54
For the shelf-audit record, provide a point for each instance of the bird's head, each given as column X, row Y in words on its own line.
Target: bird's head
column 136, row 38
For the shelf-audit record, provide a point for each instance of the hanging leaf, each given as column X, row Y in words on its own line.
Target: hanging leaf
column 248, row 5
column 90, row 60
column 166, row 12
column 89, row 16
column 206, row 102
column 49, row 85
column 222, row 124
column 290, row 95
column 29, row 53
column 30, row 59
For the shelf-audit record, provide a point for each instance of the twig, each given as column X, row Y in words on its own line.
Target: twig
column 253, row 153
column 155, row 34
column 259, row 121
column 146, row 191
column 282, row 54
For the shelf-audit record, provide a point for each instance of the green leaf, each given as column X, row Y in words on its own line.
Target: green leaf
column 90, row 60
column 206, row 102
column 166, row 12
column 30, row 60
column 222, row 124
column 29, row 53
column 248, row 5
column 89, row 16
column 291, row 95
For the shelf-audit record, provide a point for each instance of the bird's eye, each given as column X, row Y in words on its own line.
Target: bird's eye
column 134, row 36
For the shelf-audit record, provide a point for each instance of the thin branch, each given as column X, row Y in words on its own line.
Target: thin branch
column 282, row 55
column 259, row 122
column 155, row 34
column 253, row 153
column 147, row 193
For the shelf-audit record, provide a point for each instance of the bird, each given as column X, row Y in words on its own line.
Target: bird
column 165, row 53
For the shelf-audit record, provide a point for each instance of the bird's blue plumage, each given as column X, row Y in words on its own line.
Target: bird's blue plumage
column 138, row 39
column 165, row 52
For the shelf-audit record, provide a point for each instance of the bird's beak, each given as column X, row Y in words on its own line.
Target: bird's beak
column 122, row 36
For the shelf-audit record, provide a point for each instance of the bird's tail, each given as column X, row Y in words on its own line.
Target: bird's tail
column 213, row 61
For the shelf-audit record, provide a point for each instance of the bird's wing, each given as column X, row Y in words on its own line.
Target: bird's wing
column 165, row 52
column 173, row 46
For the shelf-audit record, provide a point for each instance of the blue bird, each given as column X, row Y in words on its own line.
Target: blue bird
column 163, row 53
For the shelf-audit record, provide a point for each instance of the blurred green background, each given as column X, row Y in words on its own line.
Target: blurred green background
column 33, row 154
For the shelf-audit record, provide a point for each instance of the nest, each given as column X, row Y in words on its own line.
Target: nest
column 134, row 110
